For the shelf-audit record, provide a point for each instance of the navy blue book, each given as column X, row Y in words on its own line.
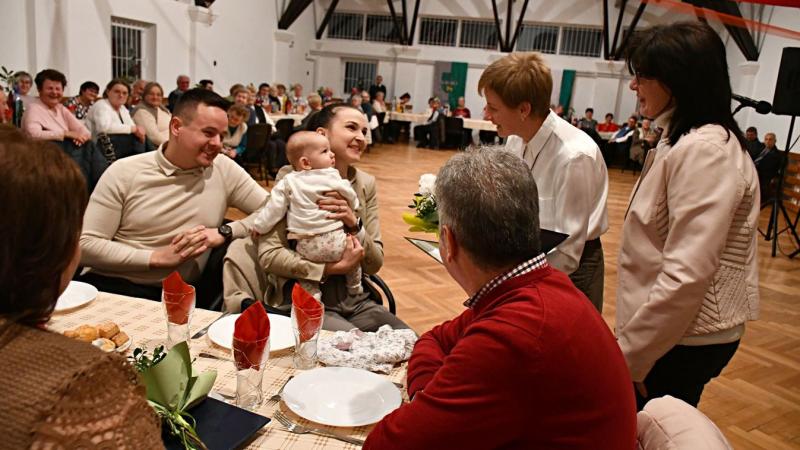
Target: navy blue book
column 221, row 426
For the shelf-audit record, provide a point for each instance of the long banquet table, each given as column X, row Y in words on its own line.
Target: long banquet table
column 473, row 124
column 144, row 321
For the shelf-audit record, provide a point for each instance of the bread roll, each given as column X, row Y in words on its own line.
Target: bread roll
column 107, row 329
column 71, row 334
column 104, row 344
column 120, row 339
column 87, row 333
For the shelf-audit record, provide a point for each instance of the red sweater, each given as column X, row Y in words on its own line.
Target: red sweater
column 532, row 365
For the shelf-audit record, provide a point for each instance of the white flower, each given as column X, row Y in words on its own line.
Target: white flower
column 426, row 183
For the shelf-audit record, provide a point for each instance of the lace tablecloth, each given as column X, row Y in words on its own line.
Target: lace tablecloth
column 144, row 321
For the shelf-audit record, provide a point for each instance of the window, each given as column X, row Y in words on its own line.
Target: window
column 478, row 34
column 537, row 38
column 127, row 49
column 435, row 31
column 581, row 41
column 346, row 26
column 359, row 74
column 381, row 29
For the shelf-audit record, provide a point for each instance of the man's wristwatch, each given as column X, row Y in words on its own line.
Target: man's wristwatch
column 226, row 232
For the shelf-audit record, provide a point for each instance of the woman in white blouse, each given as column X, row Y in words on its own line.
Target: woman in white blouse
column 110, row 116
column 152, row 115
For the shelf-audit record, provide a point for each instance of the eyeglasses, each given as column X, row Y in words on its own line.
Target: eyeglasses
column 639, row 76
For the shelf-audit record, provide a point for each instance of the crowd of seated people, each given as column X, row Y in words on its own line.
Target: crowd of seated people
column 525, row 323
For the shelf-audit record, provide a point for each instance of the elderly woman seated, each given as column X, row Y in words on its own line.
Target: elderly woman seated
column 152, row 115
column 235, row 141
column 111, row 118
column 55, row 392
column 46, row 118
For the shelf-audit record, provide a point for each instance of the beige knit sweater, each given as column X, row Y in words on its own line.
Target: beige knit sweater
column 143, row 201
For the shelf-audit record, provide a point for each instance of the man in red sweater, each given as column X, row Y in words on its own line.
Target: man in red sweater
column 530, row 363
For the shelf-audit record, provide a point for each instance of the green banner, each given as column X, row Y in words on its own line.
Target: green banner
column 567, row 83
column 449, row 81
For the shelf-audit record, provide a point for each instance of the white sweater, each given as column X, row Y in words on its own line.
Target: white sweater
column 298, row 193
column 103, row 118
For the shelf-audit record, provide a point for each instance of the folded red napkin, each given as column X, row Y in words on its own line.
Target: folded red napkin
column 178, row 298
column 250, row 335
column 308, row 311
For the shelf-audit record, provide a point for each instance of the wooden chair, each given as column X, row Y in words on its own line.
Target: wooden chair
column 255, row 154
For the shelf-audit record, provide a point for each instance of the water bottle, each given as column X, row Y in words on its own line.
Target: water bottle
column 19, row 108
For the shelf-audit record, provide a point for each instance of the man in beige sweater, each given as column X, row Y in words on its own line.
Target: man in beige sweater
column 162, row 211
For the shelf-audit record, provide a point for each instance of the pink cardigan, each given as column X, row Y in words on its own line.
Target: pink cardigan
column 41, row 122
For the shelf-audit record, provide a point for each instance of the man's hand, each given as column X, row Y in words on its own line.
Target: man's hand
column 185, row 246
column 138, row 132
column 213, row 238
column 76, row 137
column 351, row 257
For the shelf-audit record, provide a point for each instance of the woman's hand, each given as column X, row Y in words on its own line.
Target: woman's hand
column 351, row 257
column 138, row 132
column 76, row 137
column 339, row 208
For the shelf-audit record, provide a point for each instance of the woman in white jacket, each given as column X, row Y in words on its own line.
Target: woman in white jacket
column 109, row 116
column 688, row 273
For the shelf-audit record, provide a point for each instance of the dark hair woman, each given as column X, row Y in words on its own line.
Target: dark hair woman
column 688, row 276
column 346, row 128
column 55, row 392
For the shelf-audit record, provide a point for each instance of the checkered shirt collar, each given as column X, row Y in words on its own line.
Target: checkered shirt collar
column 538, row 262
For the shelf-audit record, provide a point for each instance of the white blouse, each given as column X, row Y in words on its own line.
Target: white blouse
column 572, row 180
column 102, row 118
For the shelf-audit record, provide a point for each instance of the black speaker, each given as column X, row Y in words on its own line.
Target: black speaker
column 787, row 89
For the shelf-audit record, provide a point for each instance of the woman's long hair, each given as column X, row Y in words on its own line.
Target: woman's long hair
column 44, row 196
column 689, row 59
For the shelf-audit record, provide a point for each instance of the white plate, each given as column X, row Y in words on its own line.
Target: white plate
column 341, row 396
column 280, row 332
column 75, row 295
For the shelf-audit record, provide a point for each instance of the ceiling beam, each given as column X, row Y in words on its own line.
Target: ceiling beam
column 413, row 22
column 605, row 29
column 618, row 27
column 620, row 52
column 292, row 12
column 740, row 34
column 519, row 26
column 327, row 18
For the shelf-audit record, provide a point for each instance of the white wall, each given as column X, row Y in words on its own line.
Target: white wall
column 73, row 36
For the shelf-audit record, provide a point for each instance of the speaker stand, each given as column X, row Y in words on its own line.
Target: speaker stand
column 777, row 204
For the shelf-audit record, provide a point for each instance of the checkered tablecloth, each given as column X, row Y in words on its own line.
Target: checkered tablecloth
column 144, row 322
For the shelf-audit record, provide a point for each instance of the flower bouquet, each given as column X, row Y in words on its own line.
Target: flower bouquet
column 425, row 217
column 173, row 388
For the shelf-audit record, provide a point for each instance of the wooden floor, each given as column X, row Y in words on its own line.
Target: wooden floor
column 756, row 400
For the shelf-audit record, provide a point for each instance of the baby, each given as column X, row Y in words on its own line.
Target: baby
column 319, row 238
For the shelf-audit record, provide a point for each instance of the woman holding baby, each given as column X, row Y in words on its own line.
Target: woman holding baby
column 260, row 269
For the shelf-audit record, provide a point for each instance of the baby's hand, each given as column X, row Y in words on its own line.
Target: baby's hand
column 254, row 234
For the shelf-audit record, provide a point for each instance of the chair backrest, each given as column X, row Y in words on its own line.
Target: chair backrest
column 285, row 128
column 381, row 117
column 672, row 424
column 258, row 136
column 454, row 124
column 791, row 183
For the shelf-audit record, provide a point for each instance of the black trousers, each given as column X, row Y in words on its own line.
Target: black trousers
column 208, row 289
column 684, row 371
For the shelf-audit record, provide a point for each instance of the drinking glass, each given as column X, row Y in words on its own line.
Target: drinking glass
column 306, row 325
column 178, row 308
column 250, row 358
